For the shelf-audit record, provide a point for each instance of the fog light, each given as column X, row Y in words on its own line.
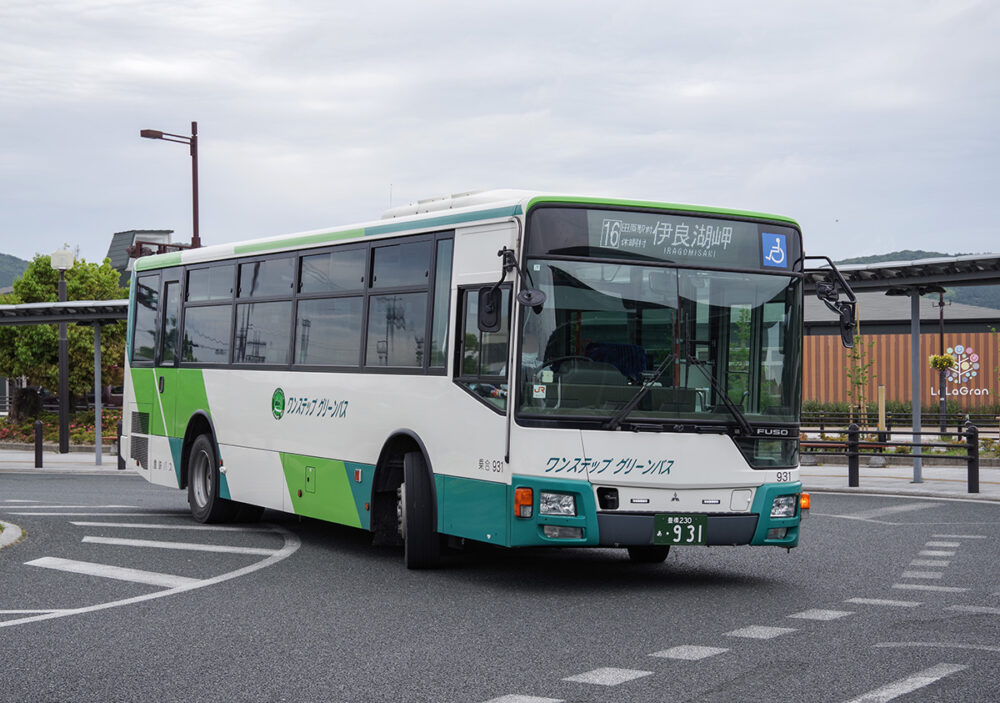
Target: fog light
column 777, row 533
column 556, row 504
column 783, row 506
column 560, row 532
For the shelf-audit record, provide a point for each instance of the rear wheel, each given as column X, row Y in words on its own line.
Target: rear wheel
column 649, row 554
column 421, row 544
column 203, row 484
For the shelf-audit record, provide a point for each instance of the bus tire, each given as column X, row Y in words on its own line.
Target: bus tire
column 421, row 544
column 203, row 483
column 649, row 554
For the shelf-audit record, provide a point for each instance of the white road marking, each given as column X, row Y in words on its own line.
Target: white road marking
column 150, row 578
column 608, row 676
column 888, row 510
column 19, row 500
column 689, row 652
column 977, row 609
column 946, row 545
column 154, row 526
column 909, row 684
column 929, row 562
column 922, row 575
column 11, row 534
column 103, row 514
column 760, row 632
column 939, row 645
column 524, row 699
column 935, row 553
column 77, row 507
column 961, row 536
column 925, row 587
column 817, row 614
column 882, row 601
column 191, row 546
column 29, row 612
column 292, row 543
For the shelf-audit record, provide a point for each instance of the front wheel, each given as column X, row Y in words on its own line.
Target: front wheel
column 421, row 544
column 650, row 554
column 203, row 484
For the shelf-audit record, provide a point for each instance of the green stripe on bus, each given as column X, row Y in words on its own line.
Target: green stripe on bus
column 303, row 240
column 158, row 261
column 325, row 488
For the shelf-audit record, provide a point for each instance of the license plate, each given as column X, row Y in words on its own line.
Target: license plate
column 679, row 529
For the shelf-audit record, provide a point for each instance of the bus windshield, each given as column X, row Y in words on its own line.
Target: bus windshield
column 608, row 329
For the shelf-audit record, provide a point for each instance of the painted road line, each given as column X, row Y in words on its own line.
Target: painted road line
column 817, row 614
column 80, row 507
column 976, row 609
column 190, row 546
column 608, row 676
column 150, row 578
column 929, row 562
column 177, row 514
column 922, row 575
column 925, row 587
column 912, row 683
column 944, row 545
column 938, row 645
column 760, row 632
column 155, row 526
column 884, row 601
column 889, row 510
column 689, row 652
column 20, row 500
column 30, row 612
column 935, row 553
column 961, row 536
column 292, row 543
column 524, row 699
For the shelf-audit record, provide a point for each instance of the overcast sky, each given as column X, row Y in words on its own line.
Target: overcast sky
column 875, row 124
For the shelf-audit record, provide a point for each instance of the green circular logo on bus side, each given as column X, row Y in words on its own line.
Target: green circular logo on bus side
column 278, row 403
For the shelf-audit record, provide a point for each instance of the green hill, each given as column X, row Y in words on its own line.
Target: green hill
column 983, row 296
column 11, row 268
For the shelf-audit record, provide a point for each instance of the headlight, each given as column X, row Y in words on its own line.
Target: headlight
column 556, row 504
column 783, row 506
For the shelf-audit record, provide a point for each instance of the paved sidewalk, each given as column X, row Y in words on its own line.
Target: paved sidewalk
column 54, row 462
column 938, row 481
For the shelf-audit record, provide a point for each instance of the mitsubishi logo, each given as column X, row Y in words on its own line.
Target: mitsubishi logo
column 675, row 499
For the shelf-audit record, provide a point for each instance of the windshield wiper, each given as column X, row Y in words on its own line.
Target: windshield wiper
column 732, row 407
column 616, row 419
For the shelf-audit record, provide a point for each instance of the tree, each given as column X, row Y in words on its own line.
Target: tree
column 33, row 350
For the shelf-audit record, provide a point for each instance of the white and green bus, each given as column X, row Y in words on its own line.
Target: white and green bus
column 513, row 368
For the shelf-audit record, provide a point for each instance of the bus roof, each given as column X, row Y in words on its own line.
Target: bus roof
column 430, row 214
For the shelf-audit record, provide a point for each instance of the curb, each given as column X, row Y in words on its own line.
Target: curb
column 847, row 490
column 11, row 534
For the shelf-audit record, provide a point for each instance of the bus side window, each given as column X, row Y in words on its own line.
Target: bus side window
column 481, row 366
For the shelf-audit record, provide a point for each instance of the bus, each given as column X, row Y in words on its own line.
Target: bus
column 513, row 368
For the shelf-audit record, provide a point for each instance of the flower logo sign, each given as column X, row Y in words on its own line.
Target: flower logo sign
column 966, row 364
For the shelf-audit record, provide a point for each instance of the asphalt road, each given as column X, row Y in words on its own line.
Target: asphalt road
column 887, row 598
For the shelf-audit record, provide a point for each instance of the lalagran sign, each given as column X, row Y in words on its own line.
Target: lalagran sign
column 963, row 374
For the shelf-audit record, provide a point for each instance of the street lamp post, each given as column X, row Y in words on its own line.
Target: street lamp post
column 192, row 141
column 62, row 261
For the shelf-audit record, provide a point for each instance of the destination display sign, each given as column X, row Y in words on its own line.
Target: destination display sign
column 668, row 237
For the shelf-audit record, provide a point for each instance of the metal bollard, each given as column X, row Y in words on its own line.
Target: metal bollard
column 121, row 459
column 38, row 443
column 972, row 442
column 822, row 427
column 852, row 455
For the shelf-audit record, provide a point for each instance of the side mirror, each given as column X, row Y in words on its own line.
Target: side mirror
column 490, row 302
column 847, row 323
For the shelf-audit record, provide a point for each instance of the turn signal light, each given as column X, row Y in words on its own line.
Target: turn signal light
column 804, row 501
column 523, row 501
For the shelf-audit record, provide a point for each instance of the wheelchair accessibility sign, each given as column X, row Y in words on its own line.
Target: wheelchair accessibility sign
column 774, row 250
